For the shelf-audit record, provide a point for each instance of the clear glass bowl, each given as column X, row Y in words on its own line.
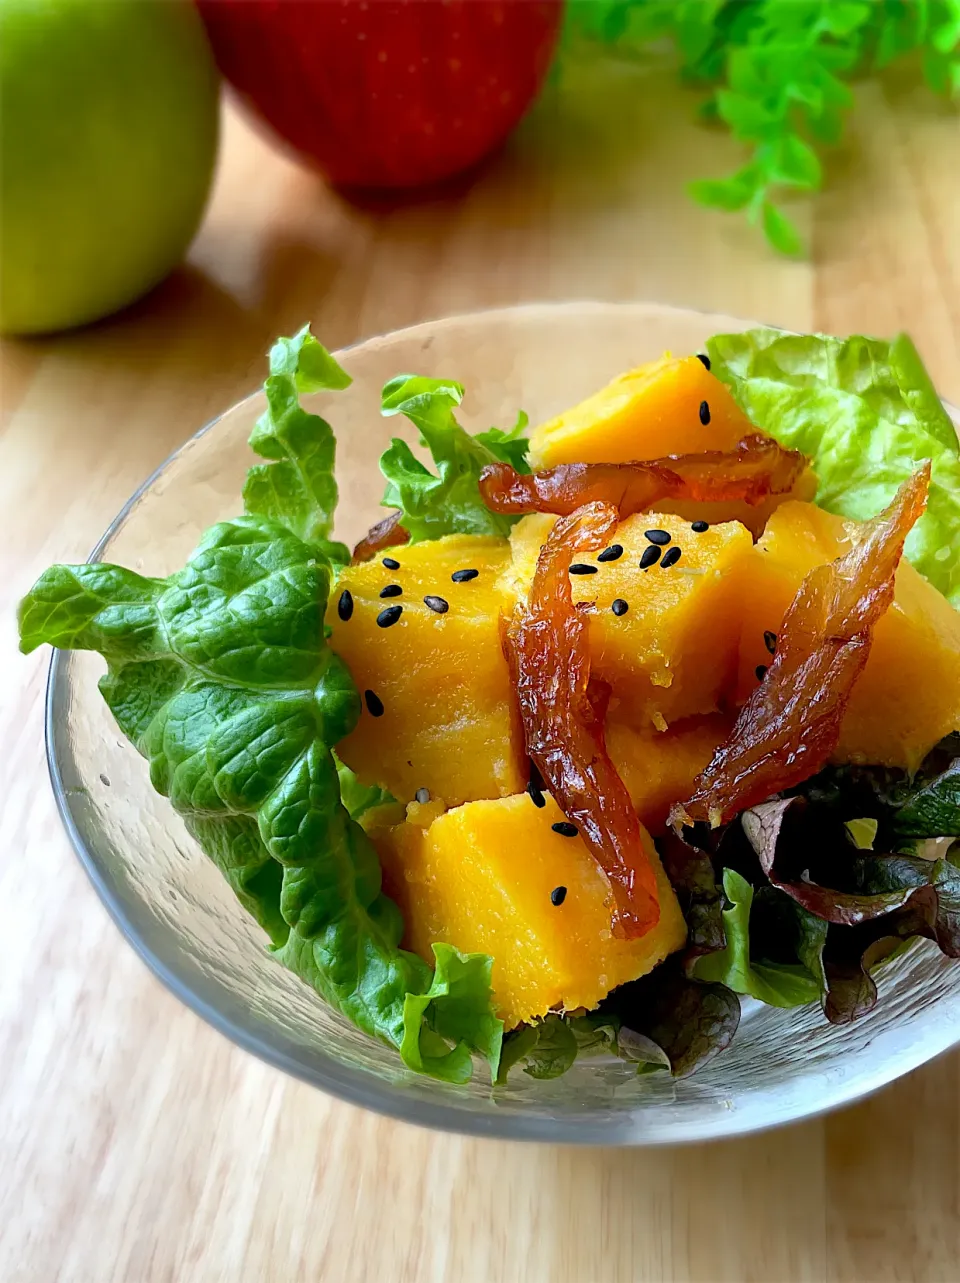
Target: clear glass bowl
column 183, row 920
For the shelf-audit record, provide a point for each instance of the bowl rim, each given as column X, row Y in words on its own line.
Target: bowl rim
column 355, row 1087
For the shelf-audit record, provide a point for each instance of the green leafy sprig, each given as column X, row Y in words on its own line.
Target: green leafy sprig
column 777, row 73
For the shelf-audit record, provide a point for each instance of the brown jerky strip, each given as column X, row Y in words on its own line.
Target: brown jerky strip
column 547, row 649
column 790, row 725
column 759, row 467
column 387, row 533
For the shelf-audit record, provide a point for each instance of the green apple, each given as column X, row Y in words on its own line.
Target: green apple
column 108, row 135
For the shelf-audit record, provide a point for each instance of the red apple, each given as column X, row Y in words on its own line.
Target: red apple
column 386, row 93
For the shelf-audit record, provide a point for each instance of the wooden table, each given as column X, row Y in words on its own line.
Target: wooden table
column 138, row 1146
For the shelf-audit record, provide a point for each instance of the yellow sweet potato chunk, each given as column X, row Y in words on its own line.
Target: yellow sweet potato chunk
column 480, row 877
column 645, row 413
column 441, row 713
column 908, row 696
column 654, row 411
column 659, row 767
column 673, row 653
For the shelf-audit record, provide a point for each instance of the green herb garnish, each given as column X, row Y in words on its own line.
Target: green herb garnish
column 776, row 74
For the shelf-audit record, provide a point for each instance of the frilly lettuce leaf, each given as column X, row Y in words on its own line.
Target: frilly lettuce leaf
column 510, row 446
column 664, row 1020
column 446, row 502
column 453, row 1018
column 777, row 984
column 866, row 413
column 298, row 487
column 221, row 677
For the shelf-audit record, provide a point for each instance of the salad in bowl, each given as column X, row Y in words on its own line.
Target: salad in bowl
column 611, row 722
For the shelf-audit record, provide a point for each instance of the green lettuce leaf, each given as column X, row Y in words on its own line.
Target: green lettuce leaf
column 453, row 1018
column 934, row 809
column 221, row 677
column 446, row 502
column 356, row 797
column 924, row 804
column 777, row 984
column 511, row 446
column 298, row 487
column 866, row 413
column 546, row 1049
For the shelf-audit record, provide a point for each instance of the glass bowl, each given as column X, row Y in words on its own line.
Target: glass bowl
column 183, row 920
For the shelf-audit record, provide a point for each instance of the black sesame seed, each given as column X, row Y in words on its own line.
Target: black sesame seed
column 422, row 796
column 704, row 413
column 619, row 606
column 650, row 557
column 700, row 526
column 565, row 829
column 558, row 895
column 462, row 576
column 391, row 563
column 581, row 568
column 661, row 537
column 389, row 616
column 770, row 641
column 345, row 605
column 670, row 557
column 439, row 605
column 535, row 786
column 704, row 360
column 761, row 672
column 391, row 590
column 613, row 553
column 374, row 704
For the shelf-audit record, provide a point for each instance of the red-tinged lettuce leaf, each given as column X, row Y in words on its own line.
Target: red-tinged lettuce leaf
column 879, row 903
column 932, row 912
column 688, row 1021
column 772, row 825
column 840, row 959
column 691, row 873
column 850, row 988
column 665, row 1020
column 862, row 887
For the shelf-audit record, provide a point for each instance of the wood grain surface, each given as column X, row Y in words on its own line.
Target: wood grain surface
column 137, row 1145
